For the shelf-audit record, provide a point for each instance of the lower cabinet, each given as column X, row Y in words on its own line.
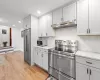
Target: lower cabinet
column 81, row 72
column 45, row 61
column 87, row 71
column 41, row 57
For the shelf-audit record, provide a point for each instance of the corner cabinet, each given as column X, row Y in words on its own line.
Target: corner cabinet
column 45, row 29
column 88, row 13
column 87, row 69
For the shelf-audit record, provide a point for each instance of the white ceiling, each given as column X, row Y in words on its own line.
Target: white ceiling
column 11, row 11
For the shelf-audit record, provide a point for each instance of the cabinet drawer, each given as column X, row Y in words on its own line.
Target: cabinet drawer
column 88, row 61
column 45, row 51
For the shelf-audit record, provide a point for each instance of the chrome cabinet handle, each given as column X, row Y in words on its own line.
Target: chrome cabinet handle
column 41, row 55
column 88, row 62
column 46, row 34
column 87, row 31
column 87, row 70
column 90, row 72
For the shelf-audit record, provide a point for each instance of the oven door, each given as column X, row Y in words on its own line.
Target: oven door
column 58, row 75
column 63, row 63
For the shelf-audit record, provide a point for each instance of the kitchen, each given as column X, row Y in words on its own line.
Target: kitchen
column 75, row 22
column 64, row 42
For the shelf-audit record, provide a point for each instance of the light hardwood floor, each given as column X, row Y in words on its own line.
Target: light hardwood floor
column 15, row 68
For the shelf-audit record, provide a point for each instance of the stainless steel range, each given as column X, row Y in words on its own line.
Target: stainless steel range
column 62, row 60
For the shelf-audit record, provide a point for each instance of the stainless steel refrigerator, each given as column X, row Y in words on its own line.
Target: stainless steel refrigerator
column 27, row 46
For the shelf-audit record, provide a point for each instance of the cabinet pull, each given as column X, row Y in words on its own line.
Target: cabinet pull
column 42, row 55
column 61, row 19
column 90, row 72
column 88, row 62
column 87, row 71
column 89, row 30
column 46, row 34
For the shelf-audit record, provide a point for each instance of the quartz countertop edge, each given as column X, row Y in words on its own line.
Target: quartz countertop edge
column 45, row 47
column 90, row 55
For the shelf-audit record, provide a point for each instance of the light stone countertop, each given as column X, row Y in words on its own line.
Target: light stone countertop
column 45, row 47
column 90, row 55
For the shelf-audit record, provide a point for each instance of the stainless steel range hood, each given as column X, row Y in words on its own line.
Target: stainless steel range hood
column 64, row 25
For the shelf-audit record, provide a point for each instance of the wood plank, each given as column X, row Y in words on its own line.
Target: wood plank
column 16, row 69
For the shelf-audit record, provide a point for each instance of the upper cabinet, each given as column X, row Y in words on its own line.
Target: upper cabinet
column 45, row 29
column 88, row 17
column 57, row 16
column 42, row 26
column 69, row 13
column 49, row 30
column 94, row 17
column 27, row 22
column 82, row 17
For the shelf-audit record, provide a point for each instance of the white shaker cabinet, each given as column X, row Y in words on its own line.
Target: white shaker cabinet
column 45, row 59
column 41, row 57
column 94, row 17
column 81, row 72
column 35, row 55
column 42, row 26
column 49, row 30
column 87, row 69
column 95, row 74
column 57, row 16
column 38, row 56
column 82, row 17
column 69, row 12
column 27, row 22
column 88, row 17
column 45, row 28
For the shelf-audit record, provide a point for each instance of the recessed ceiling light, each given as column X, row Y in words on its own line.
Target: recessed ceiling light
column 39, row 12
column 19, row 21
column 13, row 25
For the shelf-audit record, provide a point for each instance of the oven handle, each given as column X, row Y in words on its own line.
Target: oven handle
column 63, row 56
column 69, row 78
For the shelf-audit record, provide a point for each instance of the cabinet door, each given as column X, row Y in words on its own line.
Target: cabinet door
column 49, row 29
column 81, row 72
column 27, row 22
column 45, row 59
column 95, row 74
column 40, row 57
column 82, row 17
column 69, row 12
column 94, row 17
column 42, row 26
column 57, row 16
column 36, row 55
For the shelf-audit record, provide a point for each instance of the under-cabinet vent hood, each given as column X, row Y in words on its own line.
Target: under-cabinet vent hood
column 64, row 25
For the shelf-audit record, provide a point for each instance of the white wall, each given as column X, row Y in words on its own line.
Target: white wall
column 4, row 37
column 17, row 40
column 86, row 43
